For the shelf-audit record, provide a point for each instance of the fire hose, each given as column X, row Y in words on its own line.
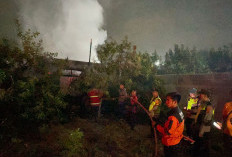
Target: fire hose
column 155, row 134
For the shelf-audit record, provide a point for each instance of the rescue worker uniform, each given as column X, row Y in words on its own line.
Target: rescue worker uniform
column 172, row 132
column 190, row 115
column 95, row 102
column 154, row 110
column 154, row 107
column 227, row 129
column 204, row 121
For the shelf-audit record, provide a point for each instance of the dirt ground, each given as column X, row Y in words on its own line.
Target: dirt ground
column 107, row 137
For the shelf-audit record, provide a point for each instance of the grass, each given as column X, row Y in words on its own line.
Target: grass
column 87, row 138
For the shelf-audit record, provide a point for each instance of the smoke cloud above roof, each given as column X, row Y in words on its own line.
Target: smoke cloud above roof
column 66, row 26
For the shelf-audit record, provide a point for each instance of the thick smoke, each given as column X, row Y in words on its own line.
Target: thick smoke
column 159, row 24
column 66, row 26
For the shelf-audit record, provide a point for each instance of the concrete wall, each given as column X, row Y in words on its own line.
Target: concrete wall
column 219, row 85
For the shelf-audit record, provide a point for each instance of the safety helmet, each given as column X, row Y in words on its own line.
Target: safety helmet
column 193, row 91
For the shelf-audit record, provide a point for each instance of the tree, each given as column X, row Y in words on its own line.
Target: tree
column 182, row 60
column 220, row 60
column 29, row 84
column 119, row 63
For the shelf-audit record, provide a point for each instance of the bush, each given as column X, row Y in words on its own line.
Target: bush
column 120, row 64
column 72, row 143
column 29, row 85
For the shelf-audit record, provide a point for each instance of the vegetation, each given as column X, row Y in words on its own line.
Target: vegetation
column 32, row 104
column 83, row 137
column 119, row 63
column 71, row 142
column 182, row 60
column 108, row 137
column 29, row 86
column 31, row 100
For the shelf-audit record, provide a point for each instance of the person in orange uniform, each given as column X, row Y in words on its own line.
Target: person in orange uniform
column 227, row 128
column 95, row 102
column 172, row 130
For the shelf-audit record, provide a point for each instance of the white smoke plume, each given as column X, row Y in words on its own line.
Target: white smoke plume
column 66, row 26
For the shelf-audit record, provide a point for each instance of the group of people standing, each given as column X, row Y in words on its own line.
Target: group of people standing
column 197, row 119
column 199, row 115
column 171, row 129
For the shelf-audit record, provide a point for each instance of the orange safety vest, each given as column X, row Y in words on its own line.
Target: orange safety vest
column 227, row 112
column 172, row 131
column 95, row 99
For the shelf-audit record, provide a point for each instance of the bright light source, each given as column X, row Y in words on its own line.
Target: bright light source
column 157, row 63
column 217, row 126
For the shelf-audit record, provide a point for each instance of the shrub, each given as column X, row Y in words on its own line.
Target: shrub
column 72, row 143
column 29, row 85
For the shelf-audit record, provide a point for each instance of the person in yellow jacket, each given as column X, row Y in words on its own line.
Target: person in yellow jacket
column 155, row 103
column 154, row 108
column 191, row 111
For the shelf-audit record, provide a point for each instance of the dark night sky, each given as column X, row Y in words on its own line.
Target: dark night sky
column 150, row 24
column 159, row 24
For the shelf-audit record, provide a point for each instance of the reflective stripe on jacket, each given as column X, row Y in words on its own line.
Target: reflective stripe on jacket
column 192, row 108
column 172, row 131
column 206, row 113
column 95, row 100
column 155, row 102
column 192, row 102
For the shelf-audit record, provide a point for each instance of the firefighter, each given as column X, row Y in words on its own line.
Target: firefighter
column 155, row 103
column 203, row 122
column 154, row 108
column 205, row 113
column 95, row 102
column 172, row 130
column 227, row 128
column 191, row 111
